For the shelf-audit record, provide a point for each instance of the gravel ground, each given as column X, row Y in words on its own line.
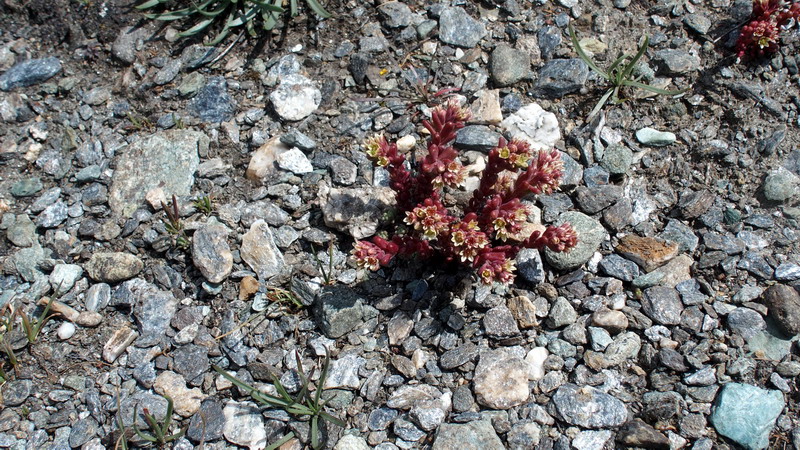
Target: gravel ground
column 673, row 324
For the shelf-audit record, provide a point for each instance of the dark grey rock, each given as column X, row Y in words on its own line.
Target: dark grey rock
column 560, row 77
column 380, row 418
column 617, row 159
column 16, row 392
column 407, row 430
column 662, row 304
column 358, row 67
column 549, row 38
column 23, row 232
column 619, row 267
column 596, row 176
column 561, row 314
column 780, row 185
column 456, row 27
column 297, row 139
column 530, row 267
column 499, row 323
column 192, row 362
column 588, row 407
column 339, row 310
column 509, row 65
column 30, row 72
column 755, row 264
column 683, row 235
column 594, row 200
column 213, row 103
column 698, row 22
column 53, row 215
column 207, row 424
column 477, row 137
column 395, row 14
column 458, row 356
column 26, row 187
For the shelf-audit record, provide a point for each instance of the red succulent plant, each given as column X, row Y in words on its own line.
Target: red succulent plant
column 761, row 35
column 494, row 226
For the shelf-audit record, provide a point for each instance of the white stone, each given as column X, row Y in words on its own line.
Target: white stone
column 294, row 161
column 406, row 143
column 501, row 379
column 259, row 251
column 535, row 359
column 66, row 331
column 534, row 125
column 350, row 442
column 295, row 98
column 244, row 425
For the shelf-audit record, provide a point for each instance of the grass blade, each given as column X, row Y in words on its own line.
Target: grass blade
column 584, row 56
column 599, row 105
column 281, row 441
column 315, row 432
column 197, row 28
column 629, row 68
column 332, row 419
column 318, row 9
column 653, row 89
column 265, row 6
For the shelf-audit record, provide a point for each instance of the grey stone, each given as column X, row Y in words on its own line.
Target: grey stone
column 208, row 423
column 30, row 72
column 787, row 272
column 395, row 14
column 560, row 77
column 405, row 397
column 592, row 440
column 113, row 267
column 523, row 435
column 294, row 161
column 746, row 414
column 561, row 314
column 380, row 419
column 590, row 234
column 698, row 23
column 677, row 231
column 746, row 322
column 429, row 414
column 212, row 102
column 27, row 261
column 82, row 432
column 192, row 362
column 297, row 139
column 26, row 187
column 16, row 392
column 456, row 27
column 97, row 297
column 509, row 65
column 595, row 199
column 458, row 356
column 780, row 185
column 343, row 171
column 53, row 215
column 210, row 252
column 23, row 232
column 477, row 137
column 588, row 407
column 676, row 62
column 617, row 159
column 260, row 252
column 662, row 304
column 344, row 372
column 153, row 312
column 407, row 430
column 339, row 310
column 618, row 267
column 530, row 267
column 549, row 38
column 124, row 46
column 356, row 211
column 755, row 264
column 499, row 323
column 478, row 434
column 64, row 276
column 244, row 425
column 167, row 160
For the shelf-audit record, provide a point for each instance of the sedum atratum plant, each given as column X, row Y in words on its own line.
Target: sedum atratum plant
column 485, row 234
column 761, row 35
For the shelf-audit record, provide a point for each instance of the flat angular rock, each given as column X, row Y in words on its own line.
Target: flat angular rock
column 501, row 380
column 212, row 102
column 560, row 77
column 210, row 252
column 166, row 160
column 456, row 27
column 186, row 401
column 509, row 65
column 662, row 304
column 356, row 211
column 649, row 253
column 339, row 310
column 30, row 72
column 746, row 414
column 260, row 252
column 405, row 397
column 588, row 407
column 295, row 98
column 479, row 434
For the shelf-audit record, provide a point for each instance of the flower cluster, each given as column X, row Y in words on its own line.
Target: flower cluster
column 761, row 35
column 494, row 226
